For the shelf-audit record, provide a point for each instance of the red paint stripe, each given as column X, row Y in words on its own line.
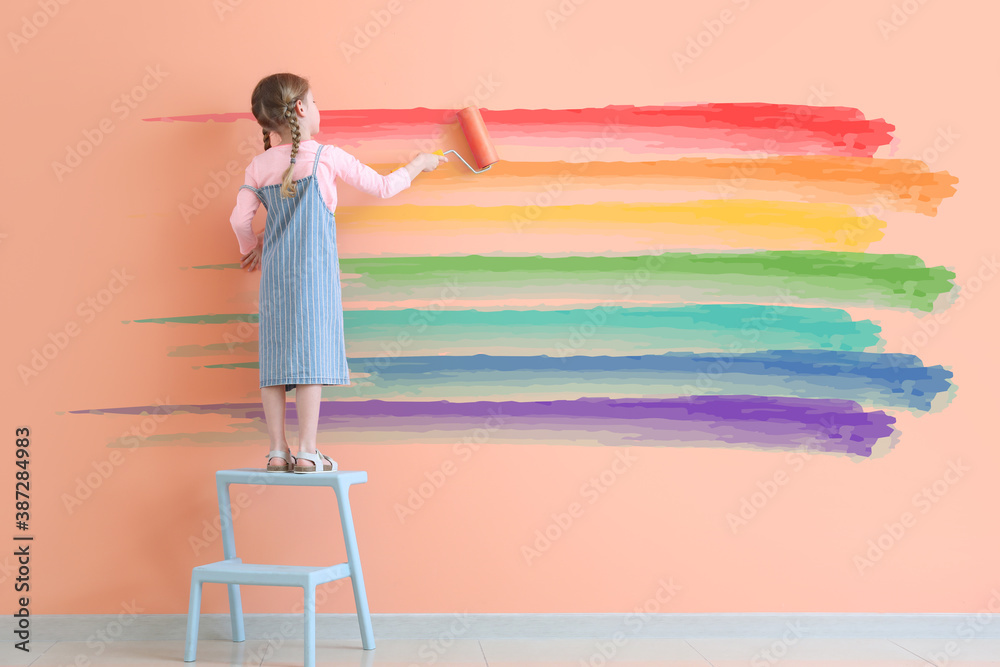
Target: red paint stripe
column 844, row 127
column 830, row 119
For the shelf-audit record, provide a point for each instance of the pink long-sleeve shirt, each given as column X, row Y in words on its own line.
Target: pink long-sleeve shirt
column 268, row 168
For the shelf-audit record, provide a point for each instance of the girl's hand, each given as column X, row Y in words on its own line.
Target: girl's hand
column 251, row 260
column 430, row 161
column 424, row 162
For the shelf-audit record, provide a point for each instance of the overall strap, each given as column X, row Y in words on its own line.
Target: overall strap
column 316, row 162
column 255, row 191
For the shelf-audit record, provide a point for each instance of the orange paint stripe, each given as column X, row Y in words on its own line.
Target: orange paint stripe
column 906, row 185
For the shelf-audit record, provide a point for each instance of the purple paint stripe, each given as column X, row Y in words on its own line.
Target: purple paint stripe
column 832, row 425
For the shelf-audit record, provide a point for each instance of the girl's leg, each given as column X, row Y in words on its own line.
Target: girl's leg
column 273, row 398
column 307, row 399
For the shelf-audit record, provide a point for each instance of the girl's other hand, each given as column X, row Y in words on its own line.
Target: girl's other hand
column 251, row 260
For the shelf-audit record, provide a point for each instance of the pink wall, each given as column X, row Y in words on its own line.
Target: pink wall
column 65, row 237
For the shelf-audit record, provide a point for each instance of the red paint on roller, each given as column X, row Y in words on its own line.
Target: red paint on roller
column 479, row 139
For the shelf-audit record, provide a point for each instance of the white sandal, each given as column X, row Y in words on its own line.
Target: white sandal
column 315, row 458
column 281, row 467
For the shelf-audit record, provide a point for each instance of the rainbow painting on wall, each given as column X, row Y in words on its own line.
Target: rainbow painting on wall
column 657, row 276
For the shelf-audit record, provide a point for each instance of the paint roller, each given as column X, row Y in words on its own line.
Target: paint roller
column 479, row 140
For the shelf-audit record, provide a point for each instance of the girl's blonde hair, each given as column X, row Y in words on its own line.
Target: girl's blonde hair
column 273, row 105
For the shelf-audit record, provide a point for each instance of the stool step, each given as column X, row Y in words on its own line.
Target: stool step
column 260, row 476
column 234, row 571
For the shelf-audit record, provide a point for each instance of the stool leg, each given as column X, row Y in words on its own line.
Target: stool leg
column 229, row 552
column 194, row 611
column 354, row 564
column 236, row 612
column 309, row 624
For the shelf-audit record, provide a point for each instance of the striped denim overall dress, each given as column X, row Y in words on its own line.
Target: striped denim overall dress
column 301, row 323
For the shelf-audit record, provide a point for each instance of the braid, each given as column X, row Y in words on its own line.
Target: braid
column 288, row 188
column 273, row 103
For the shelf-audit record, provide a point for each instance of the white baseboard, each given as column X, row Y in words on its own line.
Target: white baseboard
column 72, row 627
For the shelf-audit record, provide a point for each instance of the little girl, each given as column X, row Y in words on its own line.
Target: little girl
column 301, row 327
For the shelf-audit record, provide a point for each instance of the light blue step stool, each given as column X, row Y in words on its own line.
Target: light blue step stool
column 233, row 571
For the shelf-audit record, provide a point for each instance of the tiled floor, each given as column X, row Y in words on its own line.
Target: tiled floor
column 634, row 652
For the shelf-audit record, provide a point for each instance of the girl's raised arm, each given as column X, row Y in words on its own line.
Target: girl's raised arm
column 366, row 179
